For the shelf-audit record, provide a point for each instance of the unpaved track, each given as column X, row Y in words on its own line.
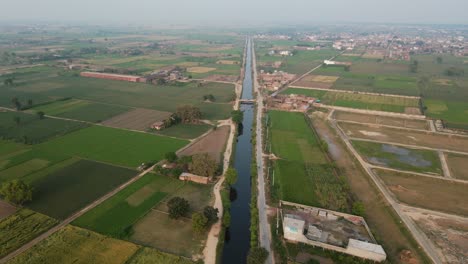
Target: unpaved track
column 443, row 162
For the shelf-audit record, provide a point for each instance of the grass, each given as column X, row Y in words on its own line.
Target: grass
column 187, row 131
column 22, row 227
column 424, row 161
column 116, row 216
column 458, row 165
column 69, row 189
column 360, row 101
column 425, row 192
column 453, row 113
column 302, row 174
column 76, row 245
column 152, row 256
column 31, row 129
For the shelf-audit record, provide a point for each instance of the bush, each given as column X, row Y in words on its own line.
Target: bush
column 178, row 207
column 199, row 222
column 257, row 255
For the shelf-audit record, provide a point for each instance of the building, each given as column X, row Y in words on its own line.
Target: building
column 111, row 76
column 158, row 125
column 293, row 227
column 366, row 250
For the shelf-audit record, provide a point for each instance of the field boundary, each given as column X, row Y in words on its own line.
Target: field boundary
column 370, row 112
column 355, row 92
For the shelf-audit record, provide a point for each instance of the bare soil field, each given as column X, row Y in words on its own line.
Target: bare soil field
column 6, row 209
column 200, row 69
column 137, row 119
column 382, row 120
column 378, row 214
column 213, row 144
column 458, row 165
column 412, row 111
column 317, row 81
column 222, row 78
column 425, row 192
column 408, row 137
column 448, row 234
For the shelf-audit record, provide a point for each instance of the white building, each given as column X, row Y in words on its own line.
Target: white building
column 293, row 227
column 366, row 250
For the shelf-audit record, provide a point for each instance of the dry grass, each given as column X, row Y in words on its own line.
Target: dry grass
column 382, row 120
column 425, row 192
column 321, row 78
column 137, row 119
column 6, row 209
column 458, row 165
column 213, row 144
column 200, row 69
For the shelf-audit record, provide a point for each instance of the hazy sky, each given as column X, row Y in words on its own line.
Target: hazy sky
column 236, row 11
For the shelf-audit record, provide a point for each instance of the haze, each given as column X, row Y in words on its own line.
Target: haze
column 228, row 12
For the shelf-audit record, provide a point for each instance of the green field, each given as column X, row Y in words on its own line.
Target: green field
column 30, row 129
column 69, row 189
column 454, row 114
column 81, row 110
column 302, row 173
column 188, row 131
column 360, row 101
column 78, row 246
column 21, row 227
column 116, row 216
column 424, row 161
column 152, row 256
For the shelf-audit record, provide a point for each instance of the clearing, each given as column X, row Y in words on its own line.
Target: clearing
column 213, row 144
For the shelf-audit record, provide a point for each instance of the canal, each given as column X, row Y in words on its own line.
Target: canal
column 237, row 239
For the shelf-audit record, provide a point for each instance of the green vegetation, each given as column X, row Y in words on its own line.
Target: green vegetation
column 69, row 189
column 152, row 256
column 21, row 227
column 203, row 165
column 30, row 129
column 178, row 207
column 399, row 157
column 16, row 192
column 116, row 216
column 186, row 131
column 451, row 112
column 76, row 245
column 302, row 173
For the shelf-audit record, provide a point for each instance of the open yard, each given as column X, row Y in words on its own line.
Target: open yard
column 458, row 165
column 137, row 119
column 116, row 216
column 302, row 172
column 213, row 143
column 426, row 192
column 67, row 190
column 78, row 246
column 360, row 101
column 21, row 227
column 81, row 110
column 424, row 161
column 382, row 120
column 409, row 137
column 30, row 129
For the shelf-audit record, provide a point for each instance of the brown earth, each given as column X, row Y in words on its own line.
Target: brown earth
column 305, row 83
column 458, row 165
column 213, row 144
column 137, row 119
column 412, row 111
column 379, row 215
column 222, row 78
column 401, row 136
column 6, row 209
column 382, row 120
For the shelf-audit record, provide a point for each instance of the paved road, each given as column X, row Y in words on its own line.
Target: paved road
column 264, row 225
column 420, row 237
column 71, row 218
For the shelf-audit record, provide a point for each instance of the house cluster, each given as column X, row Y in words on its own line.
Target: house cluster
column 291, row 102
column 170, row 73
column 276, row 80
column 344, row 44
column 337, row 63
column 280, row 53
column 348, row 234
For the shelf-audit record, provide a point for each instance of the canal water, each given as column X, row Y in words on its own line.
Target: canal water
column 237, row 239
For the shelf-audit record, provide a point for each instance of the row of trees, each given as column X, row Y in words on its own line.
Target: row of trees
column 16, row 191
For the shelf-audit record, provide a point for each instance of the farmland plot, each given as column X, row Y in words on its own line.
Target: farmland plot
column 137, row 119
column 213, row 144
column 382, row 120
column 151, row 256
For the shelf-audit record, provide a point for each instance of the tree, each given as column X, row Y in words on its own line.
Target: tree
column 358, row 208
column 237, row 116
column 30, row 102
column 211, row 214
column 16, row 191
column 199, row 222
column 231, row 176
column 439, row 60
column 178, row 207
column 188, row 114
column 203, row 165
column 257, row 255
column 171, row 156
column 8, row 81
column 209, row 97
column 40, row 114
column 413, row 67
column 17, row 120
column 16, row 103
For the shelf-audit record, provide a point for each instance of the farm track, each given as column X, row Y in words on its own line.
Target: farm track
column 73, row 217
column 355, row 92
column 370, row 112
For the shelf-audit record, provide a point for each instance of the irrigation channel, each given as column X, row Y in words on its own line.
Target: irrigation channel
column 237, row 239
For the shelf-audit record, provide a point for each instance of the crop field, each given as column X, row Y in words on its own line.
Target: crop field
column 302, row 165
column 426, row 192
column 69, row 189
column 21, row 227
column 317, row 81
column 137, row 119
column 81, row 110
column 30, row 129
column 200, row 69
column 359, row 101
column 116, row 216
column 6, row 209
column 199, row 196
column 152, row 256
column 409, row 137
column 213, row 144
column 139, row 95
column 79, row 246
column 185, row 131
column 382, row 120
column 424, row 161
column 454, row 114
column 458, row 165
